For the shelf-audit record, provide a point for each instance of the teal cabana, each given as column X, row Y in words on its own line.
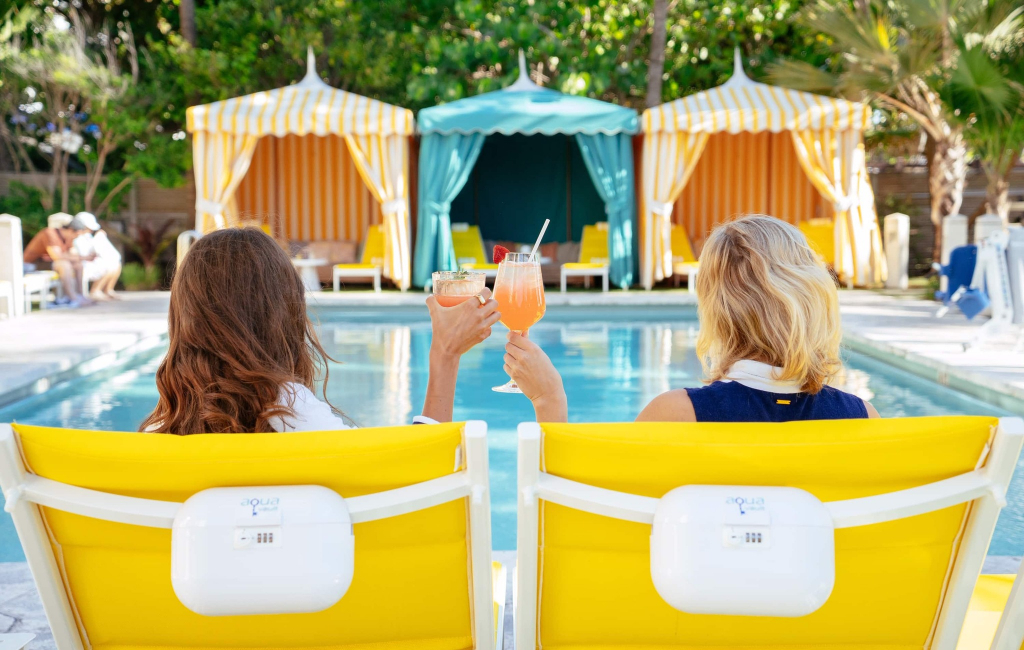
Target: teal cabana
column 526, row 173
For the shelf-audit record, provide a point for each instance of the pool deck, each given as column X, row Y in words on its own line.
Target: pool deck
column 44, row 348
column 905, row 333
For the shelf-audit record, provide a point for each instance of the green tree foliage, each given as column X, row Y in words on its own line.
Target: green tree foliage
column 601, row 48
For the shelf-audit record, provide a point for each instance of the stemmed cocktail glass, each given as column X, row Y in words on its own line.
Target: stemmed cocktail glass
column 519, row 291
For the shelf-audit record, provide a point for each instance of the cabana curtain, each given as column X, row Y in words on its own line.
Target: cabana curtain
column 220, row 161
column 446, row 162
column 678, row 153
column 827, row 134
column 609, row 159
column 383, row 163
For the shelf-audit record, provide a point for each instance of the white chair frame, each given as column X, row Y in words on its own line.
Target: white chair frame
column 34, row 282
column 374, row 274
column 1010, row 633
column 7, row 297
column 985, row 487
column 586, row 273
column 24, row 492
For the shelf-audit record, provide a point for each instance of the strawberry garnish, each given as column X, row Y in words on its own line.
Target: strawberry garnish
column 499, row 253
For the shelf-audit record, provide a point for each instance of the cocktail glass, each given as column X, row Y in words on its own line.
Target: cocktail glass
column 519, row 291
column 455, row 287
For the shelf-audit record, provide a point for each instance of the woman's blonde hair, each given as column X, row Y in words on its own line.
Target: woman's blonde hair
column 763, row 294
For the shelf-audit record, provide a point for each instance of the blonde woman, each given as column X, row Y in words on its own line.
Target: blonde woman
column 769, row 337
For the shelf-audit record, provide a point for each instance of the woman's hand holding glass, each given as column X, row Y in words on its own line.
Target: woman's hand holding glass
column 457, row 329
column 532, row 370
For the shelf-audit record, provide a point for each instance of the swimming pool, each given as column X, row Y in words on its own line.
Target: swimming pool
column 613, row 362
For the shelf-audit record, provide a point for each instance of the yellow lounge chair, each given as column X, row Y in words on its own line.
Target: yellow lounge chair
column 997, row 610
column 469, row 250
column 372, row 264
column 913, row 503
column 684, row 262
column 820, row 234
column 93, row 512
column 593, row 257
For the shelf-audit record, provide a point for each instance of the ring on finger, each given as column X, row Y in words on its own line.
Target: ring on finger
column 481, row 300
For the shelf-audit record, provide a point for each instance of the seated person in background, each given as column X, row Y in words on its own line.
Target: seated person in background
column 104, row 268
column 51, row 248
column 244, row 356
column 769, row 337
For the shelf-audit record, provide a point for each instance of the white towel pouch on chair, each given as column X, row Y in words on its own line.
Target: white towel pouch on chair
column 742, row 551
column 262, row 550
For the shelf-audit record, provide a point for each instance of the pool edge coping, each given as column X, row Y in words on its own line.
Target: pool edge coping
column 83, row 368
column 997, row 393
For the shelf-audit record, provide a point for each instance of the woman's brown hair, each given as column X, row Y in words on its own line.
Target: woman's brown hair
column 239, row 333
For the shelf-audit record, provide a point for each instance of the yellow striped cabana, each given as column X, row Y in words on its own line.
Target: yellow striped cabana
column 747, row 147
column 338, row 162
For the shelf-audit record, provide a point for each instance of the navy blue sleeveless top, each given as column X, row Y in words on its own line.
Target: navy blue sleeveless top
column 731, row 401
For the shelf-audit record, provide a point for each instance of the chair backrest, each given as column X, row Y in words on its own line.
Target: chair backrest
column 467, row 244
column 681, row 249
column 820, row 234
column 894, row 580
column 594, row 247
column 373, row 249
column 411, row 587
column 962, row 261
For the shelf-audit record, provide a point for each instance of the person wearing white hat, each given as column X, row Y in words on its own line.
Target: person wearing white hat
column 104, row 269
column 52, row 248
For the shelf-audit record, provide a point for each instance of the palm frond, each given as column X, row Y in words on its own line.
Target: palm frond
column 978, row 87
column 800, row 75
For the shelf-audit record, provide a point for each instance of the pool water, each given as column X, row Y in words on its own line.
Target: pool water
column 611, row 369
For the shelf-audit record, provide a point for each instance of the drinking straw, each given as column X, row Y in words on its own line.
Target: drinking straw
column 543, row 229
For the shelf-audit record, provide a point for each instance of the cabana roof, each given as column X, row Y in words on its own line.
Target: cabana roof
column 524, row 107
column 741, row 104
column 307, row 107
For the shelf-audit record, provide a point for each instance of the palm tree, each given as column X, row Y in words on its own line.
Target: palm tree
column 987, row 90
column 902, row 55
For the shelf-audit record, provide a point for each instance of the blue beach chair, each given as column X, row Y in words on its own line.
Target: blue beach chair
column 959, row 273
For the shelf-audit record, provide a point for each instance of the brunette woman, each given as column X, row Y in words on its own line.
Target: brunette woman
column 244, row 356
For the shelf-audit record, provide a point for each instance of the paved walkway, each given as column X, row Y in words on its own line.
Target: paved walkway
column 906, row 333
column 45, row 347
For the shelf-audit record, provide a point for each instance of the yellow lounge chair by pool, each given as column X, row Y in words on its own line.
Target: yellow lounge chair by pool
column 593, row 256
column 995, row 620
column 372, row 264
column 684, row 262
column 469, row 250
column 913, row 503
column 93, row 512
column 820, row 234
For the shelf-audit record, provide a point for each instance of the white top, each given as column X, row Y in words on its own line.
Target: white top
column 104, row 249
column 760, row 376
column 310, row 413
column 98, row 243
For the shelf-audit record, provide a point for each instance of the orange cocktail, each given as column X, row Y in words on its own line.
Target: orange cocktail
column 456, row 287
column 519, row 291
